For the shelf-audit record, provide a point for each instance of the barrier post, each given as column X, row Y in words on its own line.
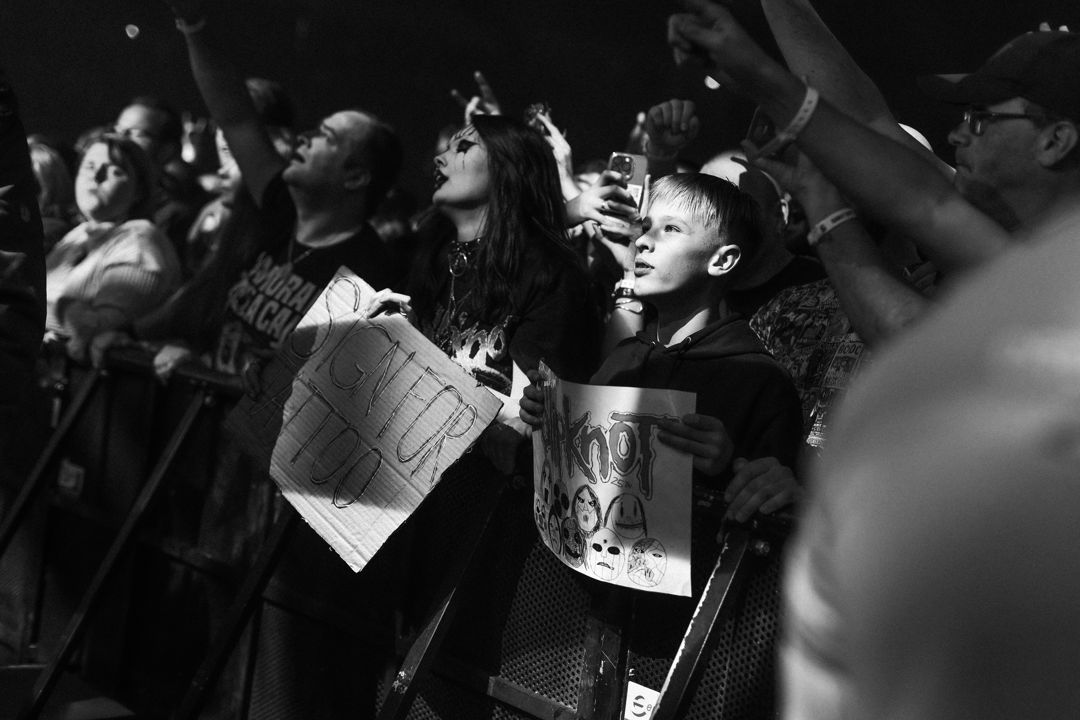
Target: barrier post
column 715, row 600
column 425, row 648
column 34, row 481
column 51, row 674
column 247, row 601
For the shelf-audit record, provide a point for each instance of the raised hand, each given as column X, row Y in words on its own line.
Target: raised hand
column 816, row 195
column 671, row 126
column 560, row 148
column 187, row 10
column 483, row 104
column 704, row 437
column 708, row 33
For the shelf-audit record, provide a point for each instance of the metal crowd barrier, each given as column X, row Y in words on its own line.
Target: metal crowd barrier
column 207, row 389
column 599, row 661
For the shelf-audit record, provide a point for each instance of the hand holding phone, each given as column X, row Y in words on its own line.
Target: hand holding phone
column 608, row 203
column 635, row 171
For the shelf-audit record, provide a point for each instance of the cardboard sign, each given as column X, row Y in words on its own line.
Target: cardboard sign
column 359, row 418
column 610, row 500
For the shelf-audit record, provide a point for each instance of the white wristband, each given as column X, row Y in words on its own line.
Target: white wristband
column 828, row 224
column 789, row 133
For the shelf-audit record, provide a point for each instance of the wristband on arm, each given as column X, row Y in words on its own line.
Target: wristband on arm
column 623, row 289
column 789, row 133
column 828, row 224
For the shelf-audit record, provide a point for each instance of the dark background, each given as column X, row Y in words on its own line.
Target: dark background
column 597, row 62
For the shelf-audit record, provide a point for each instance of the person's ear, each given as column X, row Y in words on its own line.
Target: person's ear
column 1056, row 142
column 724, row 260
column 357, row 178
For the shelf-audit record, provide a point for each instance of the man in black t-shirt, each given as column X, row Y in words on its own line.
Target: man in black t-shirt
column 313, row 207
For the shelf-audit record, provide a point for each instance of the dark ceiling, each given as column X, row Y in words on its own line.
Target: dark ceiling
column 597, row 62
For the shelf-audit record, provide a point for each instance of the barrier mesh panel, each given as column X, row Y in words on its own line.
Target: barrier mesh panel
column 523, row 619
column 542, row 644
column 738, row 679
column 522, row 616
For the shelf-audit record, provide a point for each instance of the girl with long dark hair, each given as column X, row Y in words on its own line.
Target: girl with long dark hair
column 495, row 281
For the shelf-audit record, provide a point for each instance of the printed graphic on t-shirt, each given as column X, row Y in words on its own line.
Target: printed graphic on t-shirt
column 808, row 333
column 849, row 355
column 481, row 349
column 262, row 309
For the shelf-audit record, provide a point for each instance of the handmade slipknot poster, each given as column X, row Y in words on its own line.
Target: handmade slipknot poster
column 610, row 500
column 357, row 418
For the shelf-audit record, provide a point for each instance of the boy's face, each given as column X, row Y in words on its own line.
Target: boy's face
column 678, row 257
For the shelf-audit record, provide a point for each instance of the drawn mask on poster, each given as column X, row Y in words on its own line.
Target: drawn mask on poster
column 573, row 543
column 554, row 532
column 647, row 563
column 605, row 554
column 626, row 516
column 586, row 509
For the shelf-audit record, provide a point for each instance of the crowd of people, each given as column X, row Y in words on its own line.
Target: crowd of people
column 932, row 573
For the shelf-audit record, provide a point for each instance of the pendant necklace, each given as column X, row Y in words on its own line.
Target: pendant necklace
column 462, row 254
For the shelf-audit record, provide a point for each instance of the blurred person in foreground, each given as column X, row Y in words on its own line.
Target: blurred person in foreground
column 935, row 573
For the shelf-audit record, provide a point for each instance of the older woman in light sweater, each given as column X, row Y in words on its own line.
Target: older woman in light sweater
column 115, row 266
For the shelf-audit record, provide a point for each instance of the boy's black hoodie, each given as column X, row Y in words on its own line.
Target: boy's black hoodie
column 735, row 379
column 738, row 382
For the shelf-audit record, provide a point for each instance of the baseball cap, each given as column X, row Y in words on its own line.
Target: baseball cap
column 1043, row 67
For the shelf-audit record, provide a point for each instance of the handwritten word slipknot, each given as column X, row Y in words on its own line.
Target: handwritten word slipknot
column 613, row 453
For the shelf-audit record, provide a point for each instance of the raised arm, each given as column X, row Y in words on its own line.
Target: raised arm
column 877, row 299
column 669, row 127
column 814, row 53
column 883, row 177
column 226, row 96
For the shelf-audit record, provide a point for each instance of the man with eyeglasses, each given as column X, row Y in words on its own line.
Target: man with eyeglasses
column 156, row 127
column 1015, row 176
column 935, row 571
column 1016, row 154
column 312, row 214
